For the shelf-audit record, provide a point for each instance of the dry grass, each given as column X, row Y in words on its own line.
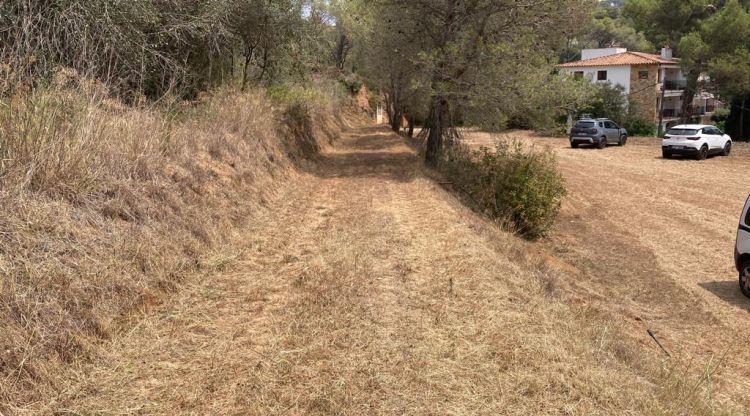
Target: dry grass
column 107, row 207
column 651, row 241
column 373, row 291
column 343, row 283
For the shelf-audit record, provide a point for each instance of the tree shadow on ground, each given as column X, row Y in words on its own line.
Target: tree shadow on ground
column 728, row 291
column 376, row 154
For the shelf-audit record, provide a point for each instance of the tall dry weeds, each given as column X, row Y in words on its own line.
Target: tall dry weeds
column 106, row 207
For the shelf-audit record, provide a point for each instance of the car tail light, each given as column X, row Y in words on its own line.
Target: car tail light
column 592, row 131
column 667, row 137
column 693, row 138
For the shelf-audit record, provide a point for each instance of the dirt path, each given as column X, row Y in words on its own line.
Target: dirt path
column 350, row 299
column 373, row 291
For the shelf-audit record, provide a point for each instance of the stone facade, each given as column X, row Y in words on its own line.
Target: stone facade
column 644, row 91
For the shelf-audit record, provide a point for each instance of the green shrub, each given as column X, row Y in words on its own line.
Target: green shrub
column 293, row 95
column 516, row 183
column 640, row 127
column 605, row 100
column 721, row 114
column 352, row 83
column 720, row 118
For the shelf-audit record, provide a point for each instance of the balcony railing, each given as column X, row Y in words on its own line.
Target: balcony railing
column 675, row 85
column 702, row 110
column 694, row 110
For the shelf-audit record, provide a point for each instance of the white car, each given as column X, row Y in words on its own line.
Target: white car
column 696, row 140
column 742, row 249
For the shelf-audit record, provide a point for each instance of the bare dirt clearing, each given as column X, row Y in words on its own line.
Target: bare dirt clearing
column 653, row 240
column 374, row 291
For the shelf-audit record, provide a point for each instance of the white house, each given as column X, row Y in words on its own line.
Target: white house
column 645, row 77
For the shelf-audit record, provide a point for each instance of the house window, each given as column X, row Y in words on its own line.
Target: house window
column 601, row 75
column 642, row 74
column 578, row 75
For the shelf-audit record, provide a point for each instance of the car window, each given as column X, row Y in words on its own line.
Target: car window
column 683, row 132
column 714, row 130
column 600, row 124
column 609, row 124
column 584, row 124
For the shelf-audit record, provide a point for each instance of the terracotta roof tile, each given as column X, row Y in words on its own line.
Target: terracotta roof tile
column 621, row 59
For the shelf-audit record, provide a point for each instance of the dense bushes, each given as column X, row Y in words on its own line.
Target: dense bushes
column 606, row 100
column 720, row 117
column 515, row 183
column 158, row 47
column 640, row 127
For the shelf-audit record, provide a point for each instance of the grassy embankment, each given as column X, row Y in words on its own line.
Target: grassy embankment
column 107, row 207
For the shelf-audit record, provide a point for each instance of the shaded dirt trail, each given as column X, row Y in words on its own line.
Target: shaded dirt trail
column 372, row 291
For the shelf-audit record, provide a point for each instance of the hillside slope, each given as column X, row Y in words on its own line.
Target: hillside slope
column 108, row 209
column 369, row 289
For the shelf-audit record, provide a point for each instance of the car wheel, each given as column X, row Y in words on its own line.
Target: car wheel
column 602, row 143
column 666, row 155
column 745, row 278
column 623, row 141
column 727, row 149
column 574, row 145
column 703, row 153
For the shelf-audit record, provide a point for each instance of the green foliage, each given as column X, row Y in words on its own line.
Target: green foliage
column 720, row 115
column 607, row 101
column 481, row 62
column 738, row 122
column 515, row 184
column 316, row 94
column 606, row 27
column 710, row 38
column 160, row 47
column 352, row 83
column 665, row 22
column 640, row 127
column 613, row 30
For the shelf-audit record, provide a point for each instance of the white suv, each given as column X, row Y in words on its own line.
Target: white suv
column 742, row 249
column 697, row 140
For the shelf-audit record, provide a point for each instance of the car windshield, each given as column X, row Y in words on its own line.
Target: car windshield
column 682, row 132
column 585, row 124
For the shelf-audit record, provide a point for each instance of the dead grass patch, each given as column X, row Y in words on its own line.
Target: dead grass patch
column 107, row 207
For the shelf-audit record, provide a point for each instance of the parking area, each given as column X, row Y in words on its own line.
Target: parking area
column 653, row 239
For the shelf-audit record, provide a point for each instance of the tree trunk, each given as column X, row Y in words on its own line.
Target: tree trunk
column 688, row 96
column 436, row 125
column 411, row 126
column 265, row 65
column 244, row 71
column 398, row 115
column 395, row 109
column 341, row 50
column 742, row 118
column 389, row 107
